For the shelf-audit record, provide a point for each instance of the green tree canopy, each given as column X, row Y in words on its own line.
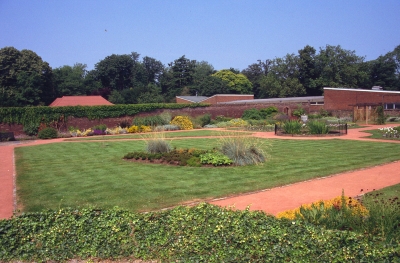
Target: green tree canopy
column 237, row 83
column 25, row 79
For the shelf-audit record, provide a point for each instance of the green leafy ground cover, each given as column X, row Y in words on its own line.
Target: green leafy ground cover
column 94, row 173
column 203, row 233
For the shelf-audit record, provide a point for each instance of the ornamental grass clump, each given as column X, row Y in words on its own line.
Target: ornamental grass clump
column 292, row 127
column 156, row 143
column 242, row 150
column 317, row 127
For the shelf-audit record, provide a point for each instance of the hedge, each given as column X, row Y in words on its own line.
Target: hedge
column 203, row 233
column 43, row 114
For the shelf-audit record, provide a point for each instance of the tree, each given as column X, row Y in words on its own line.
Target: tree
column 177, row 76
column 25, row 79
column 69, row 81
column 210, row 86
column 255, row 73
column 237, row 83
column 154, row 69
column 307, row 71
column 282, row 79
column 337, row 67
column 115, row 71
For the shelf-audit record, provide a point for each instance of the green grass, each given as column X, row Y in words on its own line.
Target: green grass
column 94, row 173
column 377, row 134
column 390, row 191
column 178, row 134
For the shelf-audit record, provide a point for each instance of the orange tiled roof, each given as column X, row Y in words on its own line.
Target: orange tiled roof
column 80, row 101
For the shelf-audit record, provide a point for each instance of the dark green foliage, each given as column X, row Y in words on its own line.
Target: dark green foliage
column 267, row 112
column 203, row 233
column 48, row 133
column 299, row 111
column 255, row 114
column 154, row 120
column 384, row 216
column 251, row 114
column 125, row 123
column 33, row 116
column 158, row 146
column 205, row 119
column 182, row 157
column 31, row 128
column 317, row 127
column 380, row 115
column 292, row 127
column 220, row 118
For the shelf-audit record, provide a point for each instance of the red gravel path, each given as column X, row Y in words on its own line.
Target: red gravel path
column 270, row 200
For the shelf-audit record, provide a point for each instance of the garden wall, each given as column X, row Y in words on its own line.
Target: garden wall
column 227, row 110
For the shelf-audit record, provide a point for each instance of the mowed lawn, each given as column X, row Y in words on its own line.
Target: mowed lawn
column 79, row 174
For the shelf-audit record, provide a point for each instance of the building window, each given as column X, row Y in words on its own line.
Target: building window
column 392, row 106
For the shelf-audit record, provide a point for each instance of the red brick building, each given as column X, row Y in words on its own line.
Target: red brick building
column 80, row 101
column 347, row 99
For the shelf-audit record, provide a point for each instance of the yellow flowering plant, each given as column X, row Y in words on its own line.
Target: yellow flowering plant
column 183, row 122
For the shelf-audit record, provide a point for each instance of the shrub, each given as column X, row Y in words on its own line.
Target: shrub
column 166, row 116
column 292, row 127
column 384, row 215
column 167, row 127
column 281, row 117
column 154, row 120
column 299, row 111
column 100, row 127
column 48, row 133
column 116, row 130
column 267, row 112
column 210, row 126
column 183, row 122
column 252, row 114
column 318, row 212
column 144, row 128
column 31, row 128
column 242, row 150
column 133, row 129
column 380, row 115
column 125, row 123
column 215, row 158
column 237, row 123
column 220, row 118
column 317, row 127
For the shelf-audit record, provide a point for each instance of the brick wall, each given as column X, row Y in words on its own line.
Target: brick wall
column 232, row 110
column 344, row 100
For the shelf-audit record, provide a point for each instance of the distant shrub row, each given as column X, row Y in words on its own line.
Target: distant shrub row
column 32, row 117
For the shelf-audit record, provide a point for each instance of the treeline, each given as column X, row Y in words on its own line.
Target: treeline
column 27, row 80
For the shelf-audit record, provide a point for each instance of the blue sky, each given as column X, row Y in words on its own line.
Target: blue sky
column 225, row 33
